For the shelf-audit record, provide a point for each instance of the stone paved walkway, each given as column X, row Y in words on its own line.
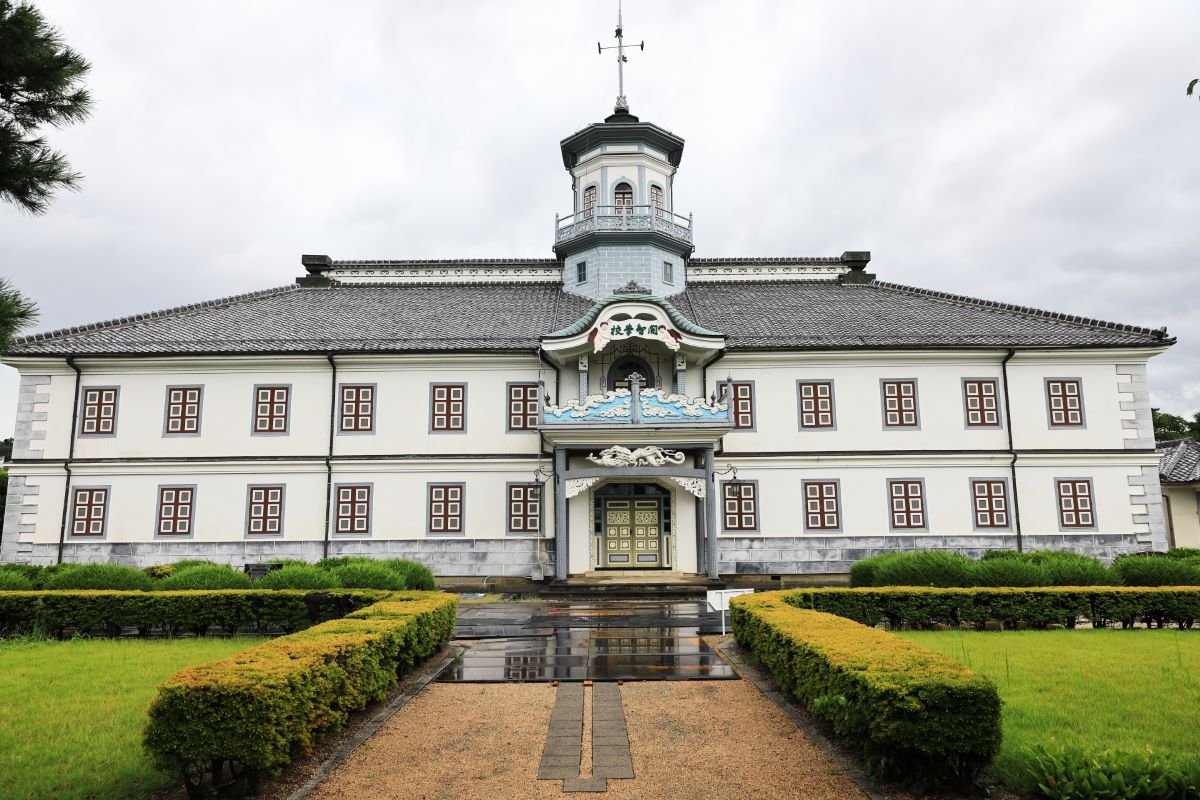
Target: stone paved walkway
column 498, row 726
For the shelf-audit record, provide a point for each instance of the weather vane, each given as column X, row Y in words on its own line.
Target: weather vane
column 622, row 105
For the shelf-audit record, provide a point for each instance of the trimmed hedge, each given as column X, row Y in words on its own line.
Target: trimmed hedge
column 920, row 717
column 369, row 575
column 50, row 612
column 1036, row 607
column 1156, row 571
column 996, row 568
column 260, row 706
column 14, row 581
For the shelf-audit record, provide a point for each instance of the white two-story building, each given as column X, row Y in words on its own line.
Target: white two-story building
column 620, row 406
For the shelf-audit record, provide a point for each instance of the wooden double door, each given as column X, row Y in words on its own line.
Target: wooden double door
column 631, row 537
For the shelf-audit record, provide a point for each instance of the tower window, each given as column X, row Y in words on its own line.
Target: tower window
column 623, row 198
column 656, row 200
column 668, row 272
column 589, row 201
column 581, row 272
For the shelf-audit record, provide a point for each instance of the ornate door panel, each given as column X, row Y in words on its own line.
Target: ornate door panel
column 632, row 533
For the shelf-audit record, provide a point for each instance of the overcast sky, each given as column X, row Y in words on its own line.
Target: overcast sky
column 1040, row 153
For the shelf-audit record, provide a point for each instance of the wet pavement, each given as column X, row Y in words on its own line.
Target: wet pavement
column 613, row 640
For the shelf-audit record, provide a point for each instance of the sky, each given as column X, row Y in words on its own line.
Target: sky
column 1039, row 153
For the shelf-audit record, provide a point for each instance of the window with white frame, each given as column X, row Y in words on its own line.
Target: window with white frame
column 822, row 507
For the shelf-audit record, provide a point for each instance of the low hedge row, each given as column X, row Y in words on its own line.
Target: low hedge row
column 1036, row 607
column 921, row 718
column 257, row 708
column 51, row 612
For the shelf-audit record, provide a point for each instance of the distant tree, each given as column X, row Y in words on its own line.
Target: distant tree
column 16, row 312
column 40, row 84
column 1192, row 86
column 1169, row 426
column 6, row 449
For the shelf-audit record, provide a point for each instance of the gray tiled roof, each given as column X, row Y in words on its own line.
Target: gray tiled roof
column 510, row 316
column 1180, row 461
column 819, row 314
column 343, row 318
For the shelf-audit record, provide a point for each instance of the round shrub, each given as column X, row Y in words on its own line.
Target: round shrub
column 926, row 568
column 11, row 581
column 1073, row 569
column 297, row 576
column 206, row 576
column 1008, row 572
column 100, row 576
column 992, row 555
column 1156, row 571
column 416, row 575
column 159, row 571
column 368, row 575
column 866, row 571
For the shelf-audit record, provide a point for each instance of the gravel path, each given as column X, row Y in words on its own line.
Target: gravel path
column 689, row 739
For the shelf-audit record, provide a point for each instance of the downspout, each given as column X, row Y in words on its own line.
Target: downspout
column 1012, row 466
column 62, row 528
column 553, row 366
column 333, row 407
column 704, row 388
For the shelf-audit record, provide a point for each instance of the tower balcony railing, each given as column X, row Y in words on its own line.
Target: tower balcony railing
column 623, row 218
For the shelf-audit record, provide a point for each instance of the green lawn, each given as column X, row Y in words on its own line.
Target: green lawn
column 1095, row 689
column 72, row 713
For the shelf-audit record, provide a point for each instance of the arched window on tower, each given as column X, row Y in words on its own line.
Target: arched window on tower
column 589, row 201
column 623, row 198
column 656, row 200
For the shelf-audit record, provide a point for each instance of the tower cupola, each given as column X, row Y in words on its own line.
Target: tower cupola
column 623, row 225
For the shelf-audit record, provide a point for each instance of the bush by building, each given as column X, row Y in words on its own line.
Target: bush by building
column 1157, row 571
column 297, row 576
column 204, row 576
column 99, row 576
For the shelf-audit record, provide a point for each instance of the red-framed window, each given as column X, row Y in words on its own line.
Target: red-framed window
column 522, row 406
column 99, row 411
column 741, row 395
column 623, row 198
column 1064, row 398
column 358, row 408
column 822, row 506
column 656, row 199
column 907, row 499
column 446, row 507
column 524, row 508
column 1075, row 508
column 353, row 517
column 982, row 403
column 589, row 201
column 175, row 506
column 900, row 404
column 89, row 511
column 264, row 513
column 271, row 408
column 816, row 404
column 741, row 505
column 183, row 409
column 448, row 407
column 990, row 500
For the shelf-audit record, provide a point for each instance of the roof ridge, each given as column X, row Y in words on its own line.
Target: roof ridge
column 1053, row 316
column 131, row 319
column 440, row 262
column 831, row 260
column 337, row 284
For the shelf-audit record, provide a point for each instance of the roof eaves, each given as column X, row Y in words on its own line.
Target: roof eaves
column 1159, row 334
column 134, row 319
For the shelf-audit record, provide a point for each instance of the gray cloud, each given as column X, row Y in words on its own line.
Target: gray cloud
column 1041, row 154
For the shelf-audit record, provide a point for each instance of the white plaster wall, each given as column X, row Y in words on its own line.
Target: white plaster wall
column 398, row 501
column 402, row 416
column 1185, row 514
column 864, row 499
column 858, row 403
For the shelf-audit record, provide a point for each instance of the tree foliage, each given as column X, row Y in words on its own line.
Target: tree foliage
column 1169, row 426
column 40, row 84
column 16, row 313
column 1192, row 86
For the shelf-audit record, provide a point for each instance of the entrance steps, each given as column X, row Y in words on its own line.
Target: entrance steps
column 632, row 584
